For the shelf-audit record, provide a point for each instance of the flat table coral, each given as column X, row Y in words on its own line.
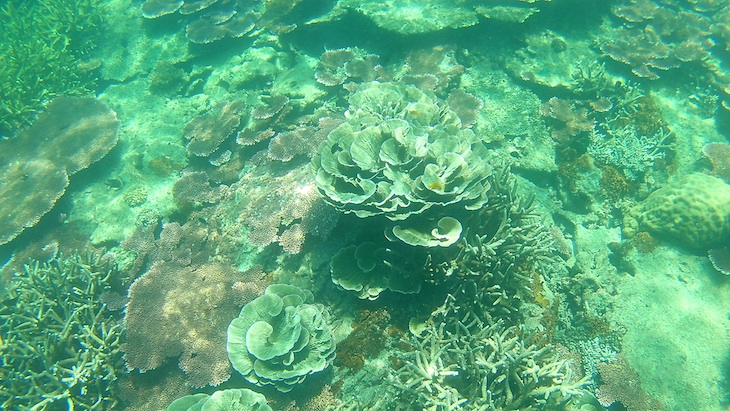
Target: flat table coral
column 694, row 210
column 70, row 135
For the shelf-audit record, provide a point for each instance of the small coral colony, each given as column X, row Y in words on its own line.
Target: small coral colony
column 342, row 205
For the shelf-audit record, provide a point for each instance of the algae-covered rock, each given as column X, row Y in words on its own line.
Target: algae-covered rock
column 280, row 338
column 694, row 211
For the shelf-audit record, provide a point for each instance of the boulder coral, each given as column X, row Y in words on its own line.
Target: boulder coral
column 280, row 337
column 694, row 211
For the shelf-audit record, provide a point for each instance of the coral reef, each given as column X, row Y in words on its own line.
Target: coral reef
column 719, row 156
column 70, row 135
column 694, row 211
column 280, row 338
column 44, row 55
column 60, row 343
column 226, row 400
column 176, row 310
column 213, row 20
column 414, row 16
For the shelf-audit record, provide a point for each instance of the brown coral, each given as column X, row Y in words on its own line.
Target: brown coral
column 70, row 135
column 175, row 310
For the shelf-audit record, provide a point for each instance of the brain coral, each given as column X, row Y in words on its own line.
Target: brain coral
column 279, row 338
column 694, row 210
column 401, row 152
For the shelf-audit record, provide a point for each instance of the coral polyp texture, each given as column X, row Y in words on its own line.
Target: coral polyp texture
column 70, row 135
column 694, row 210
column 280, row 338
column 401, row 152
column 182, row 311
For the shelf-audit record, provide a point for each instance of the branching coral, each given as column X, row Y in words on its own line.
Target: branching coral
column 42, row 54
column 462, row 362
column 60, row 344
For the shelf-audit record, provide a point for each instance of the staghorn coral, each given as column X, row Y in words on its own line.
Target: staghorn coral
column 176, row 310
column 280, row 338
column 461, row 361
column 60, row 344
column 70, row 135
column 44, row 53
column 694, row 211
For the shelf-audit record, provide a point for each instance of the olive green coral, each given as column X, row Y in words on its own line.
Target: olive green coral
column 401, row 152
column 280, row 337
column 42, row 55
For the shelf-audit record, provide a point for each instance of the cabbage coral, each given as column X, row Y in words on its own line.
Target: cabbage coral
column 280, row 338
column 401, row 152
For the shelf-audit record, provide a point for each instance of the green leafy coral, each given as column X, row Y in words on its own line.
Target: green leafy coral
column 280, row 338
column 60, row 345
column 401, row 152
column 41, row 54
column 225, row 400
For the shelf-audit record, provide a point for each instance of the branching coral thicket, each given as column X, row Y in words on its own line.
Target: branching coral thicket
column 60, row 344
column 42, row 55
column 464, row 361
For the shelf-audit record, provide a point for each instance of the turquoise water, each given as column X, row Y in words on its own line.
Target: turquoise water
column 364, row 205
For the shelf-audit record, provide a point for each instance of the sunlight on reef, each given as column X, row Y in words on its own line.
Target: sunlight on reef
column 365, row 205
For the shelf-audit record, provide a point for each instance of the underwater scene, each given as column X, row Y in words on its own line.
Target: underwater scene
column 309, row 205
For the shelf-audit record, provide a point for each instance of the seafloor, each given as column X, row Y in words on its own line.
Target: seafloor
column 365, row 205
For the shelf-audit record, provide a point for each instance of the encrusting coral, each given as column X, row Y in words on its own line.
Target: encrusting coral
column 280, row 338
column 176, row 310
column 70, row 135
column 60, row 343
